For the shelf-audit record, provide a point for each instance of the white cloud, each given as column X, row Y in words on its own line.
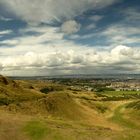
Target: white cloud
column 47, row 34
column 91, row 26
column 131, row 14
column 9, row 42
column 49, row 53
column 68, row 58
column 70, row 27
column 5, row 18
column 121, row 34
column 47, row 11
column 96, row 18
column 5, row 32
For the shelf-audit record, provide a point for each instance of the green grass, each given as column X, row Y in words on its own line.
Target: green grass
column 120, row 93
column 59, row 115
column 119, row 119
column 36, row 130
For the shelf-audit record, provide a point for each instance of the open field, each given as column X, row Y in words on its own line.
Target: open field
column 121, row 93
column 40, row 110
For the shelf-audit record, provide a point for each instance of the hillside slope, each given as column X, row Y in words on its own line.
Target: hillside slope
column 42, row 110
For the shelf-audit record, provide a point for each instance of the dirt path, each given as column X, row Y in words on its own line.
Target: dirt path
column 119, row 118
column 95, row 118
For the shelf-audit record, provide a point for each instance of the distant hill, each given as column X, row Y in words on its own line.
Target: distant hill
column 81, row 76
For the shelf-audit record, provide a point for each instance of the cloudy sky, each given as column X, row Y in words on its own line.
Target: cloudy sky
column 54, row 37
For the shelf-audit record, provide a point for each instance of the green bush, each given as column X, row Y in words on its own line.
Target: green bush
column 46, row 90
column 5, row 101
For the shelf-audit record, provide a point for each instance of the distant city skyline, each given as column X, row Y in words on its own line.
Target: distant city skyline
column 63, row 37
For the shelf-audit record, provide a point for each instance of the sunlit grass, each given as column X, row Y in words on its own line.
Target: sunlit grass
column 36, row 130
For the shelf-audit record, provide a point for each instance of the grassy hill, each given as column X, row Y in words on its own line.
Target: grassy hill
column 43, row 110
